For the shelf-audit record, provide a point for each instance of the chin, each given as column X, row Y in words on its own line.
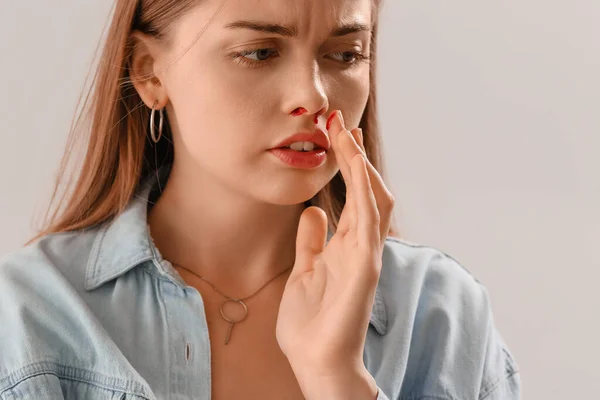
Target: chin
column 285, row 195
column 291, row 199
column 287, row 188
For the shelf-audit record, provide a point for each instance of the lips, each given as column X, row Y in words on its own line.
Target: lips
column 318, row 138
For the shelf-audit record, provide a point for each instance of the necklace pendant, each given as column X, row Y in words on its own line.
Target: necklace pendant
column 229, row 332
column 233, row 321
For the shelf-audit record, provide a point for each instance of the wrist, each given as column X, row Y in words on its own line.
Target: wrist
column 340, row 384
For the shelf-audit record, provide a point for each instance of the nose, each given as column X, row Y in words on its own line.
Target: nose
column 306, row 94
column 301, row 111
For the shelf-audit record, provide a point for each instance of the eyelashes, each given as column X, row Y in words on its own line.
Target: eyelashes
column 265, row 59
column 241, row 57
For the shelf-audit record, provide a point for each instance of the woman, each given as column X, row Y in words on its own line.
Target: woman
column 268, row 266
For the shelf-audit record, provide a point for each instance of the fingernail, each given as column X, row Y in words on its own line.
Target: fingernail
column 328, row 125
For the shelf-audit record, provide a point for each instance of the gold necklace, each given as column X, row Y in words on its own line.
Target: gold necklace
column 232, row 300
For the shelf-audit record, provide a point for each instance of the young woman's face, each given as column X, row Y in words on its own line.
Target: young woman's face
column 233, row 94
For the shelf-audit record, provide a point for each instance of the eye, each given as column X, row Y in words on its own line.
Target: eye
column 350, row 57
column 262, row 54
column 254, row 57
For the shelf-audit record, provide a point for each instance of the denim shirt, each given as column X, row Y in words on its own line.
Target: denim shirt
column 99, row 314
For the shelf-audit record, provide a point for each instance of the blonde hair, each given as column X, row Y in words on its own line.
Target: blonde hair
column 120, row 153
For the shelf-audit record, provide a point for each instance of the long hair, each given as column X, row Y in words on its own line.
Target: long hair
column 120, row 153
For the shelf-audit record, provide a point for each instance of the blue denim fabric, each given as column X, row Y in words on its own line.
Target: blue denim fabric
column 99, row 314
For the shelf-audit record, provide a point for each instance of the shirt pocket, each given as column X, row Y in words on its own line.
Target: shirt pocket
column 52, row 387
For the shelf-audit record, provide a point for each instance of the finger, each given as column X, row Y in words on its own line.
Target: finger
column 368, row 221
column 358, row 133
column 310, row 239
column 347, row 143
column 383, row 197
column 337, row 131
column 336, row 128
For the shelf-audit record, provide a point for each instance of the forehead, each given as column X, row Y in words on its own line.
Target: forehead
column 294, row 9
column 308, row 17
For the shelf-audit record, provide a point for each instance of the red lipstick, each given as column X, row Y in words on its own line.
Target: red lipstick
column 318, row 137
column 300, row 158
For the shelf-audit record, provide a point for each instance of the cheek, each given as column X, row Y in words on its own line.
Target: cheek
column 217, row 121
column 350, row 94
column 205, row 107
column 221, row 100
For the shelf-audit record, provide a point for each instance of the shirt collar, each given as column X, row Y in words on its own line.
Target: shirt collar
column 125, row 242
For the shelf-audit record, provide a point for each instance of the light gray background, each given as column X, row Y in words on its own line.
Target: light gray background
column 491, row 117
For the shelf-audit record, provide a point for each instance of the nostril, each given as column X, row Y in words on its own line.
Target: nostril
column 299, row 111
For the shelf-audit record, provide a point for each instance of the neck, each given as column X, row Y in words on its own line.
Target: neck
column 235, row 242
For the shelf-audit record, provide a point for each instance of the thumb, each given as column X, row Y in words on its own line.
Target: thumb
column 310, row 239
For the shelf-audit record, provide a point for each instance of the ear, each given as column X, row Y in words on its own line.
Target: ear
column 145, row 70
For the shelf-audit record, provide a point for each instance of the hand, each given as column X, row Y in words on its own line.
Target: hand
column 326, row 305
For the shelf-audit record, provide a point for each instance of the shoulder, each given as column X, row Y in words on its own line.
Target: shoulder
column 45, row 268
column 438, row 306
column 51, row 341
column 430, row 270
column 426, row 287
column 39, row 300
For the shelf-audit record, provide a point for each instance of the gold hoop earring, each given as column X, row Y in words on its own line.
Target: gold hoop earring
column 160, row 124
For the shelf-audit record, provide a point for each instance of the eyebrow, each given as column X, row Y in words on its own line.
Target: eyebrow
column 292, row 31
